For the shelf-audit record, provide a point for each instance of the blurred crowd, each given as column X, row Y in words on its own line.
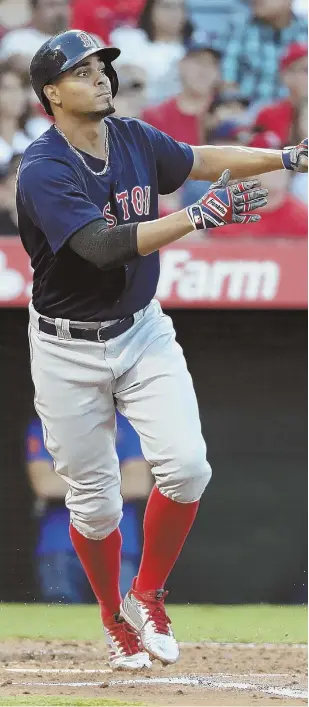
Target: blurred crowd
column 206, row 72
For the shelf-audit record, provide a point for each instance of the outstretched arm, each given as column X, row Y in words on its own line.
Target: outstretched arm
column 210, row 161
column 222, row 204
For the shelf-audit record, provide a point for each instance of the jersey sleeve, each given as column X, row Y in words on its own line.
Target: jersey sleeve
column 174, row 159
column 53, row 196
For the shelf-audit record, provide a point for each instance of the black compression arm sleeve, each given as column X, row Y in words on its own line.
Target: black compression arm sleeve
column 107, row 248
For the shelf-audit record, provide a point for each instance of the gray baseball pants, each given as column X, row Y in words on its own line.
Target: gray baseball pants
column 143, row 373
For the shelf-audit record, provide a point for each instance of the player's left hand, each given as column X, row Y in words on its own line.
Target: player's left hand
column 296, row 158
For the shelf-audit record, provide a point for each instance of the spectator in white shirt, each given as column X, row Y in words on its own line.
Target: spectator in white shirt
column 48, row 17
column 157, row 45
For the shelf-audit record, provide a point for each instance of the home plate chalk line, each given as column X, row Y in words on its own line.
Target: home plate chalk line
column 104, row 671
column 210, row 682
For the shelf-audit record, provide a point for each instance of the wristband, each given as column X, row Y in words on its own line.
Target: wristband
column 196, row 217
column 286, row 160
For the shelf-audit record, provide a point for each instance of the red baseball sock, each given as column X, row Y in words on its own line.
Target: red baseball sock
column 166, row 526
column 101, row 562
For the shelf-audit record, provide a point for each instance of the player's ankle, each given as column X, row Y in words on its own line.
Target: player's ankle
column 107, row 614
column 143, row 586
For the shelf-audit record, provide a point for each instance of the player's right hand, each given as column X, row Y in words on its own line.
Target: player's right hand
column 224, row 203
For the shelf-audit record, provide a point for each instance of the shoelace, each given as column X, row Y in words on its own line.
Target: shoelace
column 125, row 636
column 157, row 614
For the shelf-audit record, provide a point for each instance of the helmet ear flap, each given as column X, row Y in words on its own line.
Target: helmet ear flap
column 112, row 75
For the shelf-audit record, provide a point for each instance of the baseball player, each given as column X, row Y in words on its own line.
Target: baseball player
column 87, row 199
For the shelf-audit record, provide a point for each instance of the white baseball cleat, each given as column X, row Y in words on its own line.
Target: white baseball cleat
column 124, row 646
column 145, row 612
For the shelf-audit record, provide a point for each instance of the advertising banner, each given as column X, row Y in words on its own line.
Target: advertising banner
column 216, row 274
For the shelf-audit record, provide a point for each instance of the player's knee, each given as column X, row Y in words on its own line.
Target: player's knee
column 189, row 480
column 194, row 475
column 97, row 516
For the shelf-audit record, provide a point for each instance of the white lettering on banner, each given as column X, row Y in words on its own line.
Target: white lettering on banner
column 170, row 260
column 234, row 280
column 245, row 279
column 195, row 279
column 11, row 281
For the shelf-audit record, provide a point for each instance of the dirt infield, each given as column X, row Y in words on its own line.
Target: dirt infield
column 207, row 674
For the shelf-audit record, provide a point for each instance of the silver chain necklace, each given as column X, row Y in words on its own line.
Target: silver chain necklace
column 106, row 147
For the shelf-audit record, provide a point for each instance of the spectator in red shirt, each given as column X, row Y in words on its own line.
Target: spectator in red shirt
column 102, row 16
column 183, row 117
column 281, row 123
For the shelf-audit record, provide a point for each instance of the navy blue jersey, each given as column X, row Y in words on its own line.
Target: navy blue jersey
column 57, row 195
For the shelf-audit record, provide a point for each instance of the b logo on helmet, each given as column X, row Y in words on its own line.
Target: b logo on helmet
column 86, row 40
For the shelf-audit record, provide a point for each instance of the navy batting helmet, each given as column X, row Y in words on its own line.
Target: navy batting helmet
column 63, row 52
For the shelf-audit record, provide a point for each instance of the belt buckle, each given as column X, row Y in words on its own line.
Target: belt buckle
column 99, row 334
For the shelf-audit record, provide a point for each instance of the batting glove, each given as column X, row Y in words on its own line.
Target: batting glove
column 296, row 158
column 225, row 204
